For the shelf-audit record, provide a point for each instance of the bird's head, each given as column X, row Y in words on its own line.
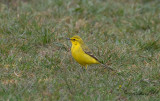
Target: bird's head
column 75, row 40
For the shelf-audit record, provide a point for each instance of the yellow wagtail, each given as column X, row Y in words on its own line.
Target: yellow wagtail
column 81, row 53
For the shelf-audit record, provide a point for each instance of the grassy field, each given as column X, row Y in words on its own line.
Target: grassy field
column 35, row 59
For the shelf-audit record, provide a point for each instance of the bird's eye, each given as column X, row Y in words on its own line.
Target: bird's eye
column 74, row 39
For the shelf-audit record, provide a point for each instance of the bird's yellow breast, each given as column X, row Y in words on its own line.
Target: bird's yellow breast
column 81, row 57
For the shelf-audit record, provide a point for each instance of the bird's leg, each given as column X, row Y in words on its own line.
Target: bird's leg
column 86, row 66
column 82, row 67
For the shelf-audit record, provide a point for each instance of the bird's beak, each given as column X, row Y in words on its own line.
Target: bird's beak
column 68, row 38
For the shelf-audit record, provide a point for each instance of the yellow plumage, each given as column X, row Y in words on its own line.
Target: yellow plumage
column 81, row 53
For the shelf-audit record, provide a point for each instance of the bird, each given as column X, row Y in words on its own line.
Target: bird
column 82, row 54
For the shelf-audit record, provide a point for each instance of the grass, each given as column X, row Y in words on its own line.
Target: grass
column 35, row 58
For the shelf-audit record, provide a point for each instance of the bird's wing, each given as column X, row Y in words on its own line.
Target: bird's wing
column 88, row 51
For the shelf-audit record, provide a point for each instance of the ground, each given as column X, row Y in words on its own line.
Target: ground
column 35, row 58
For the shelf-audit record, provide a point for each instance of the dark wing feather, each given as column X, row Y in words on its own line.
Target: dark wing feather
column 88, row 51
column 90, row 54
